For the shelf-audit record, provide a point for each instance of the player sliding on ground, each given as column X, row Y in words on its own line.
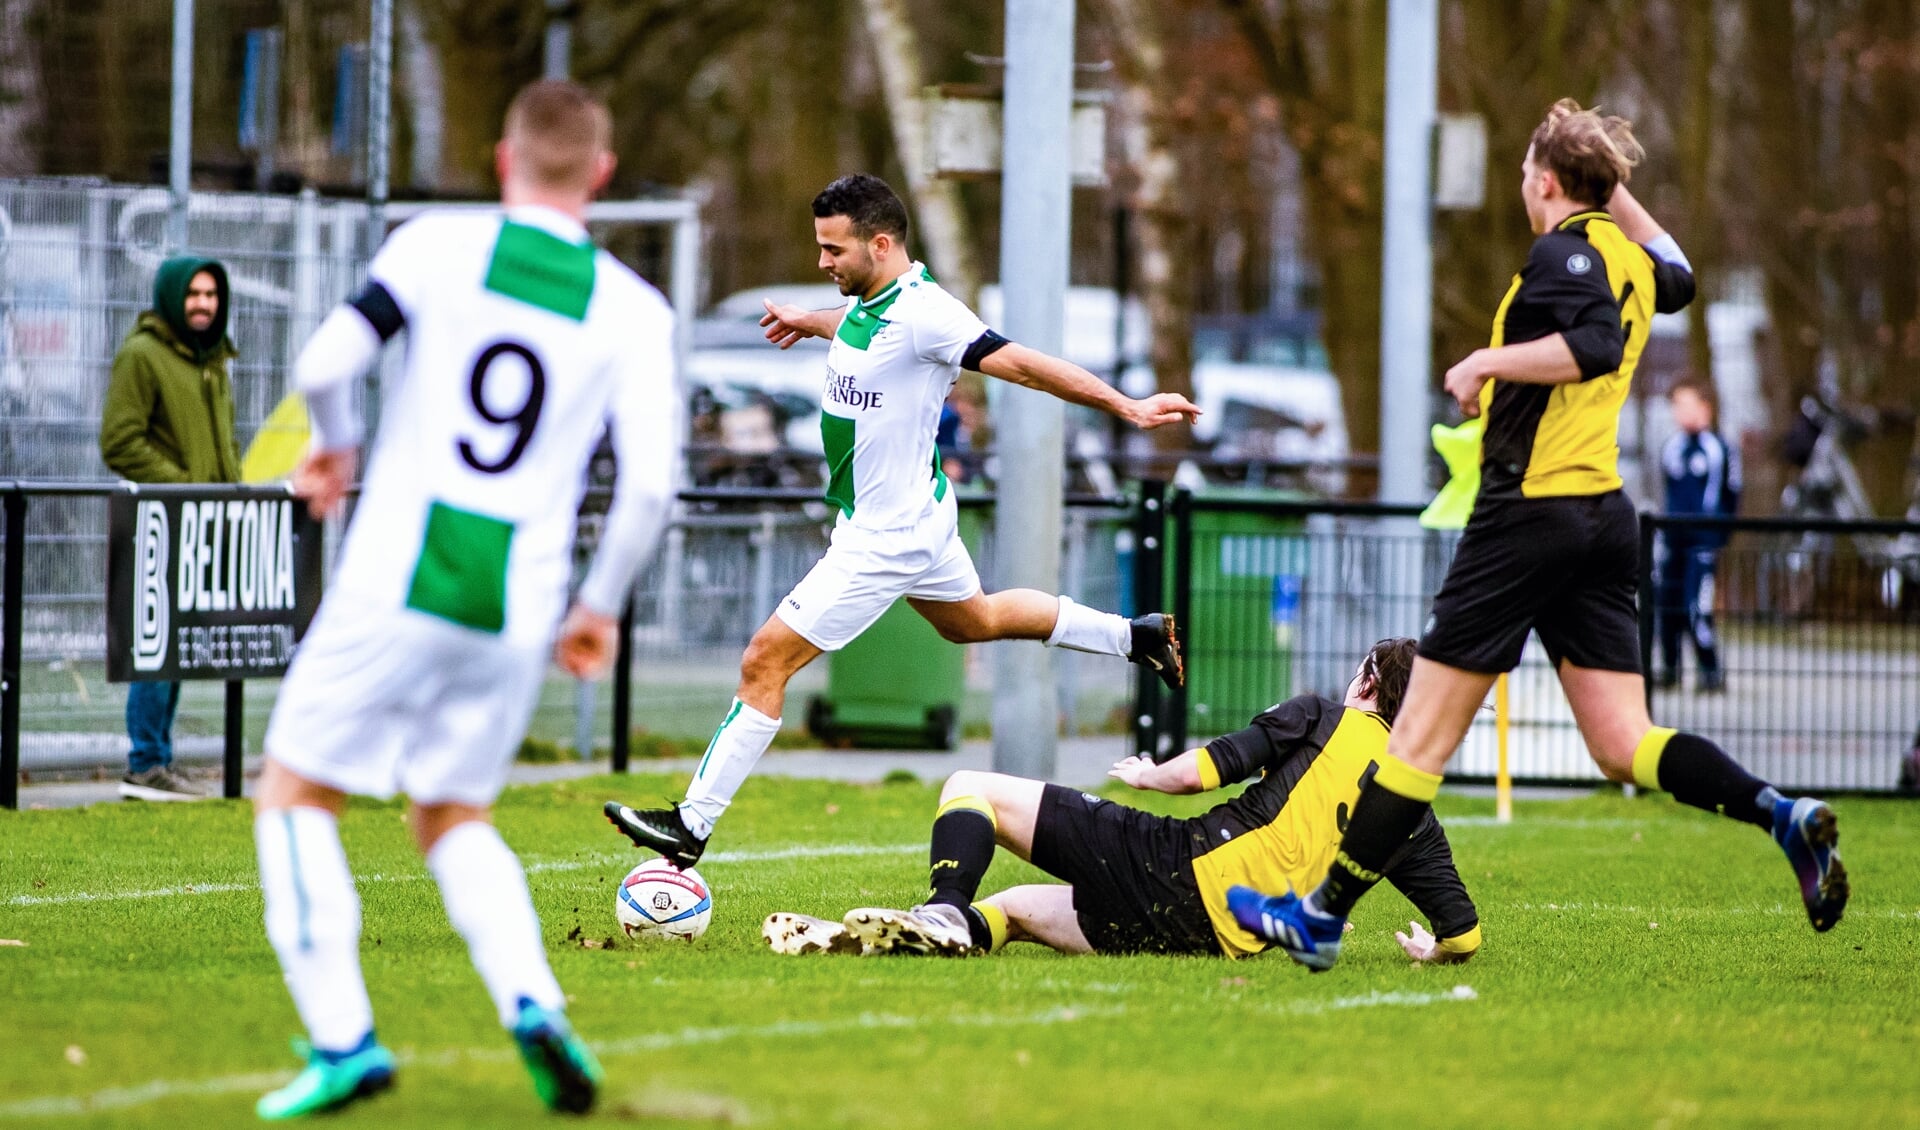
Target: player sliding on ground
column 1145, row 883
column 1553, row 545
column 426, row 658
column 897, row 347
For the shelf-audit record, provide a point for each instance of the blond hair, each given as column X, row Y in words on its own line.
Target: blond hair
column 556, row 129
column 1589, row 153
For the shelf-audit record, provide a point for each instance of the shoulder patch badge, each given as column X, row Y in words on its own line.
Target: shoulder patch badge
column 1579, row 264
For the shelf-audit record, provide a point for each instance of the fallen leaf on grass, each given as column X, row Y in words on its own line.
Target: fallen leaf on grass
column 76, row 1055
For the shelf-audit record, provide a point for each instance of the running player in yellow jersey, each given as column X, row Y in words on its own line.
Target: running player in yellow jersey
column 1139, row 882
column 1553, row 544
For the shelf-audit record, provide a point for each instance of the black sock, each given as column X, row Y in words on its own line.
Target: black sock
column 1382, row 822
column 1700, row 774
column 977, row 926
column 961, row 851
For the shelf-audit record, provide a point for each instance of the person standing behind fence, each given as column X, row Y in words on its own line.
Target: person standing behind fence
column 1703, row 478
column 169, row 419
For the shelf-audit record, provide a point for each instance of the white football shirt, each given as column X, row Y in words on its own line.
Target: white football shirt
column 892, row 362
column 523, row 343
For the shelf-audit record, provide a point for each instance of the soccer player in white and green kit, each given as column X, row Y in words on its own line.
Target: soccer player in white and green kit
column 426, row 658
column 897, row 347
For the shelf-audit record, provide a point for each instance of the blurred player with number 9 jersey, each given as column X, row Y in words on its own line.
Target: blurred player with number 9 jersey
column 423, row 666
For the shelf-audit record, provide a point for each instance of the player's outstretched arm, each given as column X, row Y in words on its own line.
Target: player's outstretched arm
column 1036, row 370
column 788, row 326
column 1179, row 776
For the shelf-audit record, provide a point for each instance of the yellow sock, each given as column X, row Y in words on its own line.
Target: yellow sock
column 996, row 924
column 969, row 803
column 1646, row 757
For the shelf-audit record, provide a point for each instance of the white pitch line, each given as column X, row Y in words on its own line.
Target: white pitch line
column 120, row 1098
column 534, row 868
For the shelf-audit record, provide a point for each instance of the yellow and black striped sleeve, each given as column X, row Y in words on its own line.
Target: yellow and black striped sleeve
column 1424, row 872
column 1274, row 735
column 1564, row 289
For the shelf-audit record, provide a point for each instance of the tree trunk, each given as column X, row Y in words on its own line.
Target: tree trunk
column 939, row 213
column 1168, row 248
column 21, row 108
column 1696, row 161
column 1891, row 147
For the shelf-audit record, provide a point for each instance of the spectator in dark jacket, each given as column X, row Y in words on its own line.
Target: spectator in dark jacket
column 169, row 419
column 1703, row 478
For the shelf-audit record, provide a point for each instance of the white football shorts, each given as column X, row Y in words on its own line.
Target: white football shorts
column 865, row 571
column 405, row 703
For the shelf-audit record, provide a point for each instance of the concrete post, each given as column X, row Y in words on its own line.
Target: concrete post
column 1035, row 220
column 1406, row 270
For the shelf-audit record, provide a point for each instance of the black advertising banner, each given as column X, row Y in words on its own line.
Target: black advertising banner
column 208, row 582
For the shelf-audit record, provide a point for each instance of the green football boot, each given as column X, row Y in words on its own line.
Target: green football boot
column 330, row 1081
column 565, row 1074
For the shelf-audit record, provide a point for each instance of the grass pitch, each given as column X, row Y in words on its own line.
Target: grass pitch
column 1645, row 965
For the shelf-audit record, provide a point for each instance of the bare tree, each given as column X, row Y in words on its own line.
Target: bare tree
column 939, row 213
column 21, row 108
column 1169, row 248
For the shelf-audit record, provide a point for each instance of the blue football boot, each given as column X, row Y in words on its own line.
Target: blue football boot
column 565, row 1073
column 1808, row 832
column 1311, row 939
column 330, row 1081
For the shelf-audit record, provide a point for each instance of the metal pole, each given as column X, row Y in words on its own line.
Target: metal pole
column 12, row 606
column 1149, row 591
column 1406, row 269
column 379, row 120
column 1173, row 729
column 180, row 138
column 559, row 45
column 232, row 767
column 1035, row 222
column 623, row 690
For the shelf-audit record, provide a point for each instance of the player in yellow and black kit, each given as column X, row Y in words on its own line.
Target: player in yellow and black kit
column 1140, row 882
column 1553, row 544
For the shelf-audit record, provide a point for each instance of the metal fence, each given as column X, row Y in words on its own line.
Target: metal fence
column 1819, row 635
column 77, row 259
column 724, row 562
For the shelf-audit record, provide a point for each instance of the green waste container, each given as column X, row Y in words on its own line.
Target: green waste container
column 1249, row 570
column 898, row 684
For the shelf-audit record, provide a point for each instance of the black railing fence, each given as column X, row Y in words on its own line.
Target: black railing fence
column 1817, row 627
column 1817, row 624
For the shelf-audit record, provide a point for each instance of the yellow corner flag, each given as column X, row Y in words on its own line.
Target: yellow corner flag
column 1459, row 447
column 278, row 445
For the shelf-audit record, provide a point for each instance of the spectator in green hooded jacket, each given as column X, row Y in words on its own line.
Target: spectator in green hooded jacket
column 169, row 419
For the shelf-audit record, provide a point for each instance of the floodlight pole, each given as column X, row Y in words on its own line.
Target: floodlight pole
column 180, row 134
column 1035, row 222
column 1406, row 267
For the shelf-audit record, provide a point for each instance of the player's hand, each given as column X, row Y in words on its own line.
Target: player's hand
column 1464, row 382
column 1423, row 946
column 1133, row 771
column 587, row 642
column 787, row 326
column 323, row 478
column 1161, row 408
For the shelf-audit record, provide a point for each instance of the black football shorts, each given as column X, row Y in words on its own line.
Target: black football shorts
column 1565, row 567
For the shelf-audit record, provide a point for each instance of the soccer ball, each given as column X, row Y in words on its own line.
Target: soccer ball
column 658, row 900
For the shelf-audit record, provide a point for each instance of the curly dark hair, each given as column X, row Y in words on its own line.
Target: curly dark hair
column 1389, row 664
column 868, row 202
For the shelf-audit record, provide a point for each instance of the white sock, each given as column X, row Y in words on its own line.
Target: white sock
column 731, row 755
column 313, row 921
column 1080, row 628
column 486, row 895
